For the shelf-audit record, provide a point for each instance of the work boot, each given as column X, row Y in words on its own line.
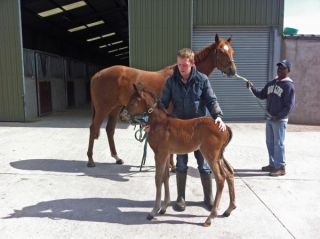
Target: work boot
column 180, row 204
column 268, row 168
column 206, row 180
column 278, row 172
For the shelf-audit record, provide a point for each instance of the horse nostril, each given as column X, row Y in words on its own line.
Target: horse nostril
column 231, row 71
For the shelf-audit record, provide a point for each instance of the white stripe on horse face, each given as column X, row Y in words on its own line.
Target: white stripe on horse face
column 226, row 48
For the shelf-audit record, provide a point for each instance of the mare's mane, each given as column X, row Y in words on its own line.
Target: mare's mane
column 203, row 53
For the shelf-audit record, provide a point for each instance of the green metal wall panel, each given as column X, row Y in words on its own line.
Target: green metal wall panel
column 157, row 30
column 11, row 71
column 238, row 12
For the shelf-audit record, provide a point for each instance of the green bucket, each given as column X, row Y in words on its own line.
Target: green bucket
column 290, row 31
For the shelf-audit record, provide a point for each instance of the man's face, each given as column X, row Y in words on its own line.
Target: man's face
column 184, row 66
column 282, row 72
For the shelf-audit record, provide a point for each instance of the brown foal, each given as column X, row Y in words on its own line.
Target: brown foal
column 169, row 135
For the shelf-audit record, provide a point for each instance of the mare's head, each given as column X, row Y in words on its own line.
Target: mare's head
column 142, row 101
column 220, row 55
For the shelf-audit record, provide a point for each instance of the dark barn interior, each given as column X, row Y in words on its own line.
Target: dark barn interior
column 93, row 31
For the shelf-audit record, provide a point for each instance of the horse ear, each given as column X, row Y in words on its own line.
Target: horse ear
column 230, row 38
column 138, row 87
column 217, row 38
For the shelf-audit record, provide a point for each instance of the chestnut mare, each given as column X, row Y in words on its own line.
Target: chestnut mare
column 170, row 135
column 111, row 88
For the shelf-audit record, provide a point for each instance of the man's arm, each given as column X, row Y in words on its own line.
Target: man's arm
column 261, row 94
column 211, row 100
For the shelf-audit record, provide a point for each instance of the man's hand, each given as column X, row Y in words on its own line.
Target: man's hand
column 274, row 118
column 222, row 125
column 249, row 84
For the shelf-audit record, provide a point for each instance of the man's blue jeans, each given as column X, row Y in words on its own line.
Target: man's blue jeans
column 182, row 163
column 275, row 136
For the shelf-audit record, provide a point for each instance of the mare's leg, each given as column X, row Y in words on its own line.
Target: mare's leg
column 219, row 178
column 94, row 134
column 166, row 187
column 110, row 128
column 161, row 166
column 230, row 180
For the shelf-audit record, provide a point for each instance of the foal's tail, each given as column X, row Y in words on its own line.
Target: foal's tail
column 227, row 141
column 225, row 162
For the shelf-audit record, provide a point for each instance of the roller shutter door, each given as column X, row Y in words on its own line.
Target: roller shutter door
column 252, row 47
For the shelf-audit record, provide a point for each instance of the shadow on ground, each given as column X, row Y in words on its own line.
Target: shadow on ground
column 110, row 171
column 249, row 172
column 110, row 210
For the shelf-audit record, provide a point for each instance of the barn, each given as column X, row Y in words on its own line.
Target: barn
column 49, row 49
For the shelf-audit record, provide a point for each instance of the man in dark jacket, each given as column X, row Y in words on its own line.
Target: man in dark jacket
column 190, row 93
column 280, row 95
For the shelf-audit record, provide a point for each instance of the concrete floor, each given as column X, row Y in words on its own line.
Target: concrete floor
column 46, row 190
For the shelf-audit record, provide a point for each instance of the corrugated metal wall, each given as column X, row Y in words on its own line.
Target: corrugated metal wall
column 11, row 69
column 238, row 12
column 157, row 29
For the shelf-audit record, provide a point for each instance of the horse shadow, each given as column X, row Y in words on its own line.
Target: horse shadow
column 111, row 171
column 108, row 210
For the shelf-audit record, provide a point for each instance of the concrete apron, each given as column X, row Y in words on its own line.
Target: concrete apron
column 47, row 191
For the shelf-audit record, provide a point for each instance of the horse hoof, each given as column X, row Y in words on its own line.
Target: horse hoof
column 226, row 214
column 119, row 161
column 207, row 223
column 162, row 211
column 91, row 164
column 149, row 217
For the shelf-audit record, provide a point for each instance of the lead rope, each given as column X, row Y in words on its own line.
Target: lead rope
column 140, row 136
column 261, row 106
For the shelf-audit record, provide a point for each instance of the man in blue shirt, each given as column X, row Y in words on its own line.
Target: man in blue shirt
column 280, row 95
column 191, row 94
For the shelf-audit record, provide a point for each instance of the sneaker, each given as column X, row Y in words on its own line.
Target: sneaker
column 278, row 172
column 268, row 168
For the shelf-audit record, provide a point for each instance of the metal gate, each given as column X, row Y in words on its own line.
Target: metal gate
column 252, row 55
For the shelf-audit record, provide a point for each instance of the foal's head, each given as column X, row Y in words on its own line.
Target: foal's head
column 142, row 101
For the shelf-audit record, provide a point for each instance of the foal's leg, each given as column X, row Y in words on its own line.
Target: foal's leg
column 161, row 166
column 219, row 178
column 110, row 128
column 94, row 134
column 230, row 180
column 166, row 188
